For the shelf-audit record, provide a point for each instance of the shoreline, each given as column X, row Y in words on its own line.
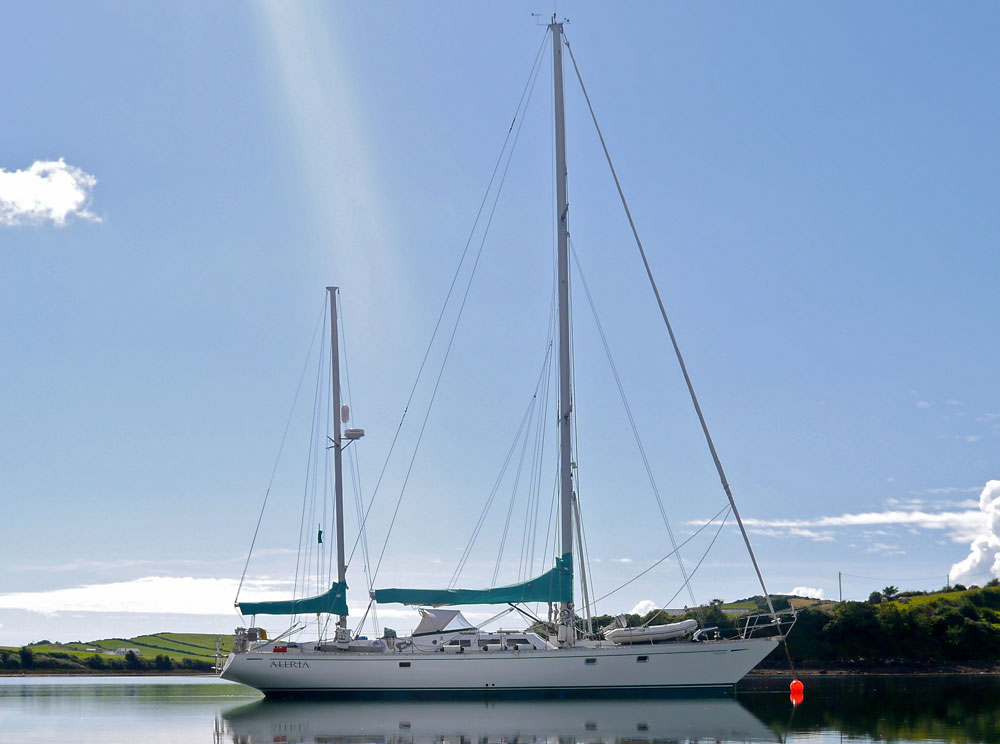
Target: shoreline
column 881, row 670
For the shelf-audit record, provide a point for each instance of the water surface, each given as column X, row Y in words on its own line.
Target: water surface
column 204, row 709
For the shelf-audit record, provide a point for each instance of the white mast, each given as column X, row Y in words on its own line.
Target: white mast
column 567, row 615
column 338, row 468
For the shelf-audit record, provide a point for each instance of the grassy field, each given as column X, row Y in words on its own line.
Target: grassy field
column 175, row 646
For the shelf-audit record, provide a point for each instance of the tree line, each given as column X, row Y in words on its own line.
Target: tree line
column 27, row 659
column 890, row 628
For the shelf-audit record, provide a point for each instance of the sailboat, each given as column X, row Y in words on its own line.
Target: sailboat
column 448, row 655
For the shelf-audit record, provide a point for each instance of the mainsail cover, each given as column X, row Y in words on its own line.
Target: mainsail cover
column 555, row 585
column 333, row 601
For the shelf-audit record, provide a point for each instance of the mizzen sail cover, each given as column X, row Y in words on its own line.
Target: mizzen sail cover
column 333, row 601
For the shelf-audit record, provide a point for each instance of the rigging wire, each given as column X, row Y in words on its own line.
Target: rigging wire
column 585, row 549
column 525, row 421
column 693, row 571
column 911, row 578
column 538, row 452
column 529, row 84
column 645, row 571
column 631, row 420
column 353, row 458
column 534, row 484
column 458, row 317
column 281, row 447
column 673, row 340
column 513, row 492
column 305, row 490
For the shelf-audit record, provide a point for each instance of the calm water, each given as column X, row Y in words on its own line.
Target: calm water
column 172, row 709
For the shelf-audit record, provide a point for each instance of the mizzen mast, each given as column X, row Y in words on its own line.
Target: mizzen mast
column 567, row 614
column 338, row 467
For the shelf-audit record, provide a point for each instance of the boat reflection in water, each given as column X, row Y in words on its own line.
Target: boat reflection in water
column 719, row 719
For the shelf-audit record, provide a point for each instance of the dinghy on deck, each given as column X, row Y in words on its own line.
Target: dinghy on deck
column 653, row 633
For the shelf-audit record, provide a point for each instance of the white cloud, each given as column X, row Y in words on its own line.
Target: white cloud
column 923, row 404
column 807, row 591
column 47, row 191
column 885, row 548
column 963, row 524
column 811, row 534
column 984, row 548
column 972, row 438
column 150, row 594
column 621, row 560
column 824, row 536
column 646, row 605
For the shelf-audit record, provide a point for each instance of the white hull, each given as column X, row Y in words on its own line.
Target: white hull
column 707, row 664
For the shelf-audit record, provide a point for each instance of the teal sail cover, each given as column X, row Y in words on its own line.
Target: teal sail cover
column 333, row 601
column 555, row 585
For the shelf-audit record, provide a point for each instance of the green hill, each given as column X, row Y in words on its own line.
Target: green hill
column 162, row 652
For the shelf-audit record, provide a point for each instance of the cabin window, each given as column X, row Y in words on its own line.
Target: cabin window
column 590, row 662
column 642, row 659
column 404, row 664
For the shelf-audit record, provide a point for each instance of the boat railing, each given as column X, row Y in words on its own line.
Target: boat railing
column 765, row 625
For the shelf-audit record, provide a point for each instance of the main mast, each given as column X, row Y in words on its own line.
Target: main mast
column 567, row 613
column 338, row 467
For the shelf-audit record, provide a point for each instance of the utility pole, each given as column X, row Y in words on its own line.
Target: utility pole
column 840, row 585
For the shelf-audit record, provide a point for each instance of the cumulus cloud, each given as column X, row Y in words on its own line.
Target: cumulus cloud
column 646, row 605
column 47, row 191
column 807, row 591
column 621, row 560
column 984, row 548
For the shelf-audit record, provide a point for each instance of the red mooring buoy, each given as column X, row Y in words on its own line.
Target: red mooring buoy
column 796, row 687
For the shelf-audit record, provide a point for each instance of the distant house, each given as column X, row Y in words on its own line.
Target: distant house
column 124, row 651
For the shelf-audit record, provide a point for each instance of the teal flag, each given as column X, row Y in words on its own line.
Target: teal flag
column 555, row 585
column 319, row 537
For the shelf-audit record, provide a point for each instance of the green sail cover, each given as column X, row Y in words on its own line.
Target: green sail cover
column 555, row 585
column 333, row 601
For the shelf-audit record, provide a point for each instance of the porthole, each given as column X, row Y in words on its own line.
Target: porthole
column 590, row 662
column 642, row 659
column 404, row 664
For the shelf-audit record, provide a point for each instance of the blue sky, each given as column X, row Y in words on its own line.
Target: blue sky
column 816, row 187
